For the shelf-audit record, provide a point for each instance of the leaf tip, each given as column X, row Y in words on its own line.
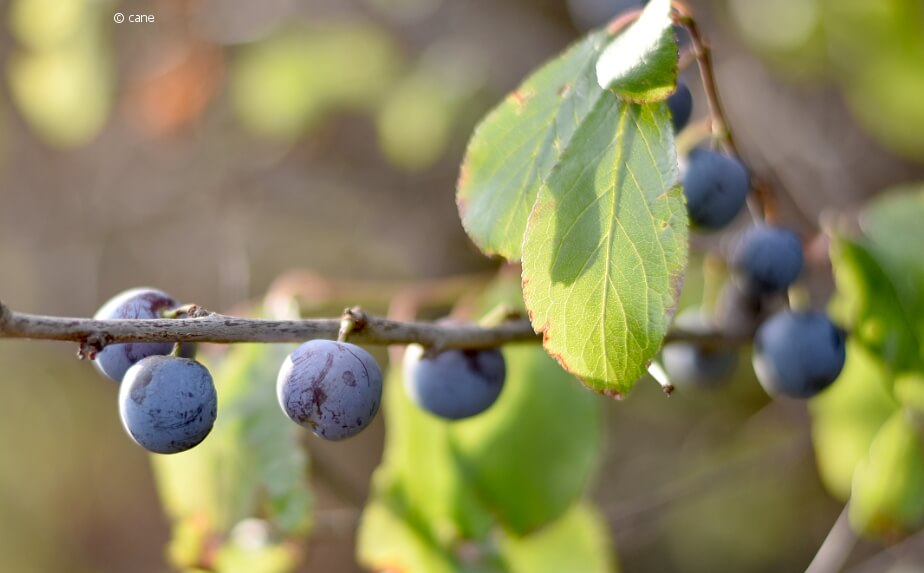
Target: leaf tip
column 614, row 394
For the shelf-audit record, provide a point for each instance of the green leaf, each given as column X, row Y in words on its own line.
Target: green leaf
column 391, row 538
column 418, row 459
column 530, row 456
column 516, row 146
column 909, row 391
column 847, row 416
column 250, row 465
column 640, row 65
column 251, row 550
column 888, row 487
column 606, row 246
column 880, row 279
column 894, row 234
column 579, row 541
column 868, row 300
column 387, row 542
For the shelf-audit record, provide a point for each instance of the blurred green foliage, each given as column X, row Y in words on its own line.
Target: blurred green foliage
column 846, row 418
column 887, row 497
column 880, row 276
column 284, row 85
column 872, row 49
column 415, row 121
column 251, row 466
column 867, row 427
column 62, row 77
column 448, row 489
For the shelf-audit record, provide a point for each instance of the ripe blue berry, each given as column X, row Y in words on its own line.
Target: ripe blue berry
column 768, row 258
column 115, row 359
column 167, row 403
column 454, row 384
column 716, row 186
column 333, row 388
column 681, row 105
column 692, row 365
column 798, row 354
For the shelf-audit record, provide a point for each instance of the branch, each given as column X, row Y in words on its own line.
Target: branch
column 836, row 548
column 217, row 328
column 721, row 130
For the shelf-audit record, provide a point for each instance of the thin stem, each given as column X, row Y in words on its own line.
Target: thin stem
column 351, row 321
column 703, row 55
column 836, row 548
column 721, row 132
column 660, row 376
column 224, row 329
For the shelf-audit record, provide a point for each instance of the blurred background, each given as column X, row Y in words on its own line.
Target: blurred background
column 230, row 141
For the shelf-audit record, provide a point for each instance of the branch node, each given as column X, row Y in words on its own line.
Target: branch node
column 91, row 346
column 353, row 320
column 196, row 311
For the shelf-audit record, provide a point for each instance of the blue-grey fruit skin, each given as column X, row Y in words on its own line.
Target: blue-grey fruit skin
column 454, row 384
column 167, row 404
column 690, row 365
column 798, row 354
column 769, row 259
column 681, row 105
column 333, row 388
column 115, row 359
column 716, row 186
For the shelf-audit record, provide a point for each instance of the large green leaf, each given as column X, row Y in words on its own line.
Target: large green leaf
column 387, row 542
column 606, row 246
column 880, row 279
column 393, row 538
column 640, row 65
column 251, row 465
column 418, row 460
column 530, row 456
column 516, row 146
column 847, row 416
column 578, row 541
column 888, row 486
column 869, row 301
column 894, row 233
